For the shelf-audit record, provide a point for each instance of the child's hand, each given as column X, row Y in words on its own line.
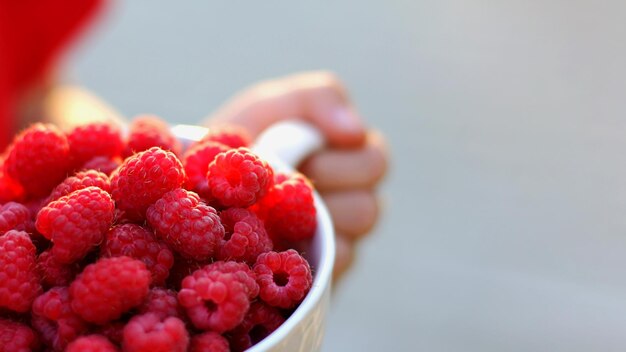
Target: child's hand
column 347, row 171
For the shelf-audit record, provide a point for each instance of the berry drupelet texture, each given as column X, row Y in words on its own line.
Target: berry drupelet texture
column 55, row 320
column 96, row 139
column 238, row 178
column 245, row 236
column 149, row 131
column 284, row 278
column 143, row 179
column 39, row 150
column 17, row 337
column 150, row 332
column 76, row 223
column 92, row 343
column 108, row 288
column 140, row 243
column 19, row 279
column 196, row 161
column 80, row 180
column 213, row 300
column 209, row 342
column 288, row 209
column 189, row 226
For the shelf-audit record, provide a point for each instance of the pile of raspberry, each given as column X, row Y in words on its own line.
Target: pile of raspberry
column 128, row 243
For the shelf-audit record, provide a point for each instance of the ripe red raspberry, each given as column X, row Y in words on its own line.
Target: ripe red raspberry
column 284, row 278
column 76, row 223
column 161, row 302
column 19, row 281
column 91, row 343
column 113, row 331
column 108, row 288
column 260, row 321
column 241, row 271
column 182, row 268
column 54, row 319
column 149, row 332
column 186, row 224
column 94, row 139
column 80, row 180
column 232, row 136
column 209, row 342
column 245, row 236
column 14, row 216
column 143, row 179
column 150, row 131
column 238, row 178
column 16, row 337
column 140, row 243
column 10, row 190
column 214, row 300
column 54, row 273
column 288, row 209
column 38, row 159
column 103, row 164
column 196, row 161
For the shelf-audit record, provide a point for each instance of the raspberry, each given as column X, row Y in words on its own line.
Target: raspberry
column 284, row 278
column 94, row 139
column 150, row 131
column 186, row 224
column 41, row 150
column 19, row 281
column 91, row 343
column 288, row 209
column 138, row 242
column 182, row 268
column 54, row 319
column 108, row 288
column 144, row 178
column 214, row 300
column 16, row 337
column 238, row 178
column 161, row 302
column 10, row 190
column 245, row 237
column 209, row 342
column 103, row 164
column 260, row 321
column 53, row 273
column 149, row 332
column 196, row 161
column 114, row 331
column 76, row 223
column 230, row 135
column 241, row 271
column 80, row 180
column 14, row 216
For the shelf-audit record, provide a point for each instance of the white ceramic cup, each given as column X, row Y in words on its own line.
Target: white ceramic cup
column 284, row 145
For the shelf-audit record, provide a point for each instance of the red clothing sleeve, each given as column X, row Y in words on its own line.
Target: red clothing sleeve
column 32, row 35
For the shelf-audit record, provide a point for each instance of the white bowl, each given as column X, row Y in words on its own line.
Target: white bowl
column 283, row 146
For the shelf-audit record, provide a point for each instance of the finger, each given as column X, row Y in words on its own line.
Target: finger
column 348, row 169
column 354, row 213
column 344, row 258
column 318, row 97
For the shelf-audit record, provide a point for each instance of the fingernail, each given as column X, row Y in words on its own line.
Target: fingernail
column 347, row 121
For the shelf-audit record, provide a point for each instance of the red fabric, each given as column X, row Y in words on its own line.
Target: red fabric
column 33, row 33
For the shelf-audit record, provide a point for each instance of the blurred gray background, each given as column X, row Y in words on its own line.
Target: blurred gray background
column 504, row 225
